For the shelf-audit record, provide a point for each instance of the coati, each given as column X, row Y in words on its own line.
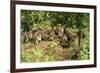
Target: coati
column 35, row 35
column 24, row 36
column 32, row 33
column 64, row 41
column 70, row 35
column 50, row 34
column 39, row 35
column 67, row 38
column 58, row 32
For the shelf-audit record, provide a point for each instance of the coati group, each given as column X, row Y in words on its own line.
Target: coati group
column 65, row 36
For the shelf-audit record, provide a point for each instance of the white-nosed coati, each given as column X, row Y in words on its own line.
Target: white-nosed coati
column 50, row 34
column 67, row 37
column 33, row 36
column 24, row 37
column 70, row 35
column 64, row 41
column 39, row 35
column 58, row 32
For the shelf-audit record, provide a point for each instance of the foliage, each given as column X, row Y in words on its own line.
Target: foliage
column 36, row 19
